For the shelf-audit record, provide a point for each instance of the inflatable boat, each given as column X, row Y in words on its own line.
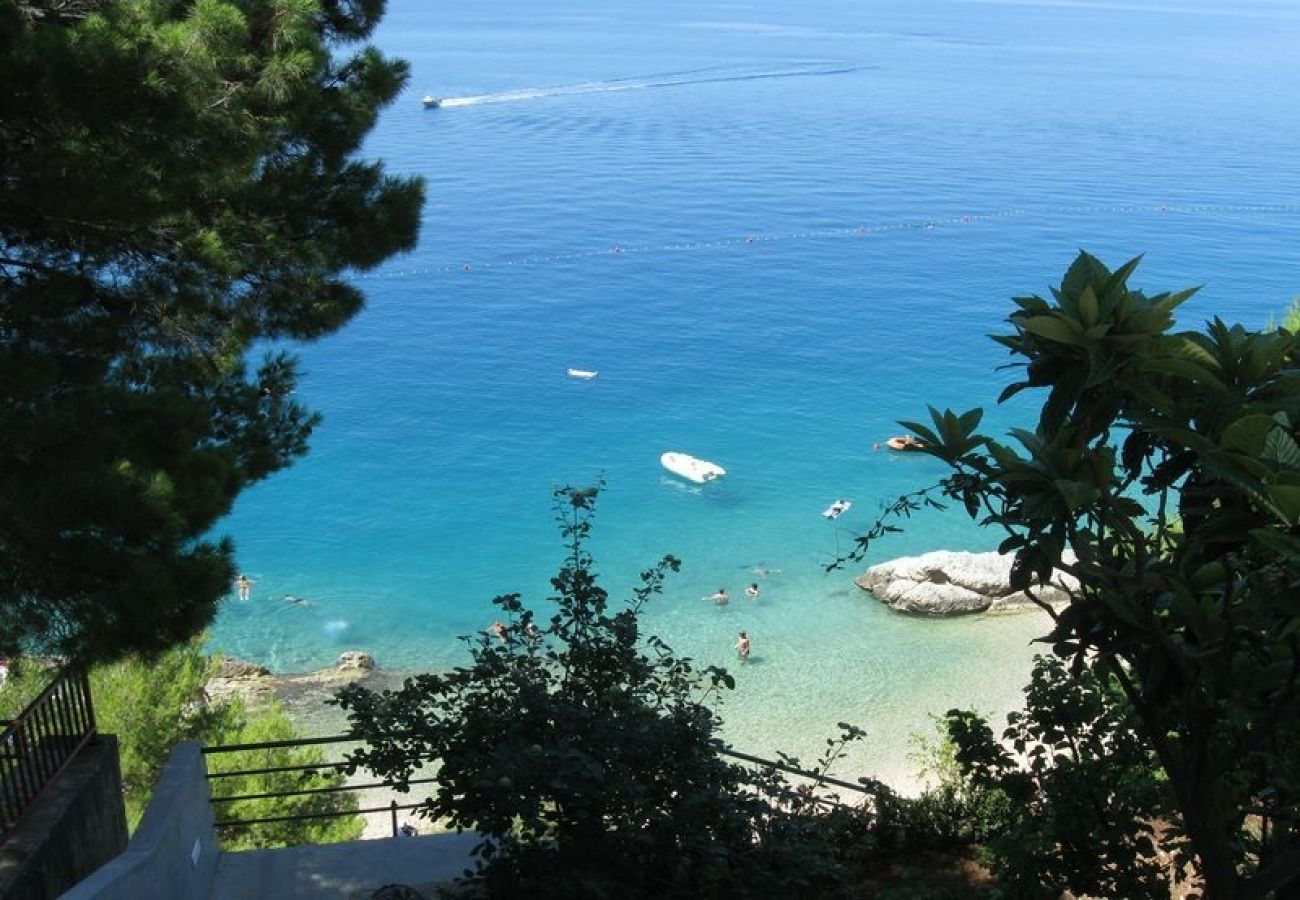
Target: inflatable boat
column 690, row 468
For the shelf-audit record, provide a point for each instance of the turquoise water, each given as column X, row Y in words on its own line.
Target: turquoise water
column 774, row 229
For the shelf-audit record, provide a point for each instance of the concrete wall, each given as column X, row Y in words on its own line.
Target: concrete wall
column 77, row 825
column 173, row 853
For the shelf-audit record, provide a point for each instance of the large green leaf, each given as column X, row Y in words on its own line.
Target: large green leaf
column 1281, row 448
column 1076, row 493
column 1247, row 434
column 1183, row 367
column 1286, row 497
column 1053, row 329
column 1088, row 307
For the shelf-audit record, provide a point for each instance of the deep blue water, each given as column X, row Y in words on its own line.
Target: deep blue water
column 774, row 229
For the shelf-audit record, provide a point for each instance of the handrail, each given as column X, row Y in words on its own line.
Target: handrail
column 862, row 787
column 867, row 787
column 37, row 745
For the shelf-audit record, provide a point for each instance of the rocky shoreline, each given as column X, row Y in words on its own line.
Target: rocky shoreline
column 303, row 698
column 951, row 583
column 301, row 695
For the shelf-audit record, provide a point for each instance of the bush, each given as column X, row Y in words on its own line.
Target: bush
column 273, row 725
column 587, row 757
column 1074, row 807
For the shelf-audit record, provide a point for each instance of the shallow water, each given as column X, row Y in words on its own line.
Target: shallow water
column 773, row 231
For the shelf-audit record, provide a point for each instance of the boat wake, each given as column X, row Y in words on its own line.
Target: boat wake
column 682, row 78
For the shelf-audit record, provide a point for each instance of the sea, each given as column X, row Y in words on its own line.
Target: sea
column 774, row 230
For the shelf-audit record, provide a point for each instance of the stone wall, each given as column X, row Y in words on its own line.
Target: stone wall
column 173, row 853
column 77, row 825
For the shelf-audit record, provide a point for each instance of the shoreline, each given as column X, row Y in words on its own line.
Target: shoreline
column 898, row 712
column 302, row 696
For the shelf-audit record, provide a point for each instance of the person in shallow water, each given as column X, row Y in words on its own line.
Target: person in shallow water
column 742, row 647
column 244, row 585
column 720, row 597
column 499, row 630
column 752, row 590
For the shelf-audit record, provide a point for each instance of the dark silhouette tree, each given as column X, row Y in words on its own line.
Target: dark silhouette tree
column 1168, row 463
column 177, row 184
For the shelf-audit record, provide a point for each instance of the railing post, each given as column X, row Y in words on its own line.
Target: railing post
column 393, row 811
column 83, row 680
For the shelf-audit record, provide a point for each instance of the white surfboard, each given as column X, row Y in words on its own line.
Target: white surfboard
column 837, row 509
column 582, row 373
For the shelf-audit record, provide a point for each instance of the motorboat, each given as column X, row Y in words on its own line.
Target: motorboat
column 430, row 101
column 586, row 374
column 905, row 443
column 690, row 468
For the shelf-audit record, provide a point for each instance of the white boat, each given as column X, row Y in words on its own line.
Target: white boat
column 582, row 373
column 690, row 468
column 430, row 101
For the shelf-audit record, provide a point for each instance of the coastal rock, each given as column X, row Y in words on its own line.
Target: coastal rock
column 238, row 668
column 352, row 660
column 948, row 583
column 237, row 679
column 256, row 685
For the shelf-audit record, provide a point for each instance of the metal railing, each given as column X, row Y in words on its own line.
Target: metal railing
column 867, row 787
column 40, row 742
column 308, row 771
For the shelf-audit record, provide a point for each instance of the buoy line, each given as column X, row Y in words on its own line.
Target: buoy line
column 851, row 231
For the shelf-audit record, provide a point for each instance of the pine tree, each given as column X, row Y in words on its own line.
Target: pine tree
column 177, row 184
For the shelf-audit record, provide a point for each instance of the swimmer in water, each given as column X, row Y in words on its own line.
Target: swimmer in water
column 752, row 591
column 742, row 647
column 720, row 597
column 244, row 586
column 296, row 600
column 499, row 630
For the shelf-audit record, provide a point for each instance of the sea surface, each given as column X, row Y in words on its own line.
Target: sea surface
column 774, row 229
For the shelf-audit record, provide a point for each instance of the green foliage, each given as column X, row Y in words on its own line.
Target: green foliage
column 1078, row 791
column 273, row 725
column 152, row 705
column 178, row 185
column 588, row 758
column 1198, row 625
column 1290, row 318
column 953, row 811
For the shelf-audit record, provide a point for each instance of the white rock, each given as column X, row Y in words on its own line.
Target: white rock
column 355, row 659
column 946, row 582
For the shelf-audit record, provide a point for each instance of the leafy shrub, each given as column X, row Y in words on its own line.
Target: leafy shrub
column 267, row 725
column 588, row 759
column 1073, row 808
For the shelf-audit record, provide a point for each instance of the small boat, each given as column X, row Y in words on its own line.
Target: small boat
column 430, row 101
column 582, row 373
column 905, row 443
column 690, row 468
column 837, row 509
